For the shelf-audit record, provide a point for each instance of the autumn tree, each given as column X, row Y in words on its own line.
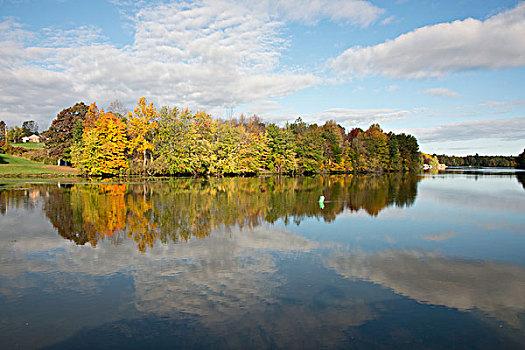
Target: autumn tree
column 376, row 143
column 333, row 135
column 281, row 157
column 117, row 108
column 308, row 146
column 65, row 129
column 15, row 134
column 103, row 148
column 141, row 126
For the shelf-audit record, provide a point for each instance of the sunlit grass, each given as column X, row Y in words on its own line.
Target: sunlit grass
column 11, row 165
column 29, row 145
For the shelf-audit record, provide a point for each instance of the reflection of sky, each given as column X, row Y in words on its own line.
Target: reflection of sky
column 478, row 217
column 49, row 284
column 497, row 289
column 316, row 278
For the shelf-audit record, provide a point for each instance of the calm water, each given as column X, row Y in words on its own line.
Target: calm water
column 432, row 261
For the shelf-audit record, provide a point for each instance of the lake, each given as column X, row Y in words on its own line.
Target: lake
column 393, row 261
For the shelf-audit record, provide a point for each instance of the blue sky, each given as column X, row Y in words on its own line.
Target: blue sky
column 449, row 72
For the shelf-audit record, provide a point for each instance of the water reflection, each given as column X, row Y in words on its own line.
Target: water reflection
column 521, row 179
column 241, row 277
column 495, row 288
column 182, row 209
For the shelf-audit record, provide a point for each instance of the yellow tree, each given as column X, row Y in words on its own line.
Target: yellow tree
column 141, row 126
column 103, row 147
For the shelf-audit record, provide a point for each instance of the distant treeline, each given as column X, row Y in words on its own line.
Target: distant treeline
column 478, row 161
column 176, row 141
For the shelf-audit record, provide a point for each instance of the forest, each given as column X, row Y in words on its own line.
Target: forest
column 478, row 161
column 174, row 141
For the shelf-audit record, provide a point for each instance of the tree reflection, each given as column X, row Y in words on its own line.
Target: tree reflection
column 179, row 210
column 521, row 179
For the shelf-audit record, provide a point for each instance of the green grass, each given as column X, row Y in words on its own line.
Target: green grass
column 29, row 145
column 15, row 166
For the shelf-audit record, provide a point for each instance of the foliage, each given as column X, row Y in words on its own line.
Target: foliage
column 65, row 129
column 478, row 161
column 15, row 134
column 102, row 150
column 141, row 126
column 3, row 127
column 282, row 157
column 181, row 142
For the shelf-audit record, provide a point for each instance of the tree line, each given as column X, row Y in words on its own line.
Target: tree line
column 16, row 133
column 478, row 161
column 175, row 141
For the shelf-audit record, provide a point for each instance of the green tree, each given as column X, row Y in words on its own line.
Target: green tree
column 308, row 146
column 333, row 135
column 183, row 142
column 394, row 156
column 281, row 157
column 15, row 134
column 409, row 152
column 376, row 143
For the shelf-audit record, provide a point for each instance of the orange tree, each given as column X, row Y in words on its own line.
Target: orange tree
column 103, row 148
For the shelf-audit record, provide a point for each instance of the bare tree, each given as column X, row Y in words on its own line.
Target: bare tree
column 116, row 107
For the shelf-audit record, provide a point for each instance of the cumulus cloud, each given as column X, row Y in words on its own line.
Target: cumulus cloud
column 511, row 129
column 309, row 12
column 442, row 92
column 436, row 50
column 204, row 55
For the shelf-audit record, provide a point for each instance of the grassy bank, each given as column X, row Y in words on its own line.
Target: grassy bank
column 15, row 166
column 29, row 145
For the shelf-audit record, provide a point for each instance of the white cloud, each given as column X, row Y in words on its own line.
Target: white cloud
column 435, row 50
column 462, row 284
column 442, row 92
column 503, row 129
column 503, row 104
column 309, row 12
column 205, row 55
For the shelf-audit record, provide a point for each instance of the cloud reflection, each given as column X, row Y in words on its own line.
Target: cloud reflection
column 495, row 288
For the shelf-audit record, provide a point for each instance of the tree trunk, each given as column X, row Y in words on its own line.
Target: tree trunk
column 144, row 164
